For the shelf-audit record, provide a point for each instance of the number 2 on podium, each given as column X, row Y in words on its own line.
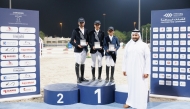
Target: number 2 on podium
column 98, row 91
column 61, row 98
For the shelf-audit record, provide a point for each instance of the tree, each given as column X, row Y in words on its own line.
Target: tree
column 128, row 36
column 121, row 35
column 42, row 35
column 145, row 31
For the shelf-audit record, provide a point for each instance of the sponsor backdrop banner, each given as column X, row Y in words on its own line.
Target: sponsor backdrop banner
column 19, row 50
column 170, row 52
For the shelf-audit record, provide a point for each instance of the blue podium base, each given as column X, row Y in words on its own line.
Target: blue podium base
column 96, row 93
column 61, row 94
column 121, row 94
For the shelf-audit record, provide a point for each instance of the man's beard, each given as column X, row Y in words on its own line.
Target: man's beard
column 135, row 39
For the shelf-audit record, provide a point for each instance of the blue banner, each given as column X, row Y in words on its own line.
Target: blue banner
column 20, row 65
column 170, row 52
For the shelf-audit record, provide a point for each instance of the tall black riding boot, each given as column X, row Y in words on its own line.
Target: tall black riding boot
column 112, row 73
column 77, row 72
column 99, row 74
column 107, row 74
column 93, row 73
column 82, row 73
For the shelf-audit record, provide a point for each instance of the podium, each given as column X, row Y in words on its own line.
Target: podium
column 61, row 94
column 96, row 93
column 92, row 93
column 121, row 94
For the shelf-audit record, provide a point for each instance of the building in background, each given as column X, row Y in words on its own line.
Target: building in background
column 57, row 41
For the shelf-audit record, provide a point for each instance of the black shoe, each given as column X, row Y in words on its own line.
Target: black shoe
column 112, row 79
column 112, row 73
column 100, row 79
column 83, row 79
column 93, row 78
column 77, row 72
column 93, row 73
column 82, row 73
column 99, row 74
column 107, row 74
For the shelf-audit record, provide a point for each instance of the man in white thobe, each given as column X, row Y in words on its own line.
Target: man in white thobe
column 136, row 66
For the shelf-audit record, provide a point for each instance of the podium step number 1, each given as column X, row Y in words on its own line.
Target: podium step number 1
column 98, row 92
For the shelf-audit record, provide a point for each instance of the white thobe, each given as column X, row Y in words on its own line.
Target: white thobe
column 136, row 62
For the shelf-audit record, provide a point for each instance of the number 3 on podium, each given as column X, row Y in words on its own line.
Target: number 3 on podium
column 98, row 91
column 60, row 99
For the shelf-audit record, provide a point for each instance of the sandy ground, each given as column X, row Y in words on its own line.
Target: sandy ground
column 59, row 68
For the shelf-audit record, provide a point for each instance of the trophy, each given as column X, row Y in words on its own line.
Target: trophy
column 97, row 45
column 83, row 42
column 111, row 47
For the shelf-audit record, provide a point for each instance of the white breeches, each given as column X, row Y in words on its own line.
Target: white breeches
column 80, row 57
column 97, row 55
column 109, row 61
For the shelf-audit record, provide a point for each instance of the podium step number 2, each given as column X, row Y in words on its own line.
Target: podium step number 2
column 61, row 94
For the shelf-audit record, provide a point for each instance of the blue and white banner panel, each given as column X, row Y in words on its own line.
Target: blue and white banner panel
column 19, row 53
column 170, row 52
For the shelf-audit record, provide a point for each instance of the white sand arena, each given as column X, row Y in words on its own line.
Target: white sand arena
column 59, row 68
